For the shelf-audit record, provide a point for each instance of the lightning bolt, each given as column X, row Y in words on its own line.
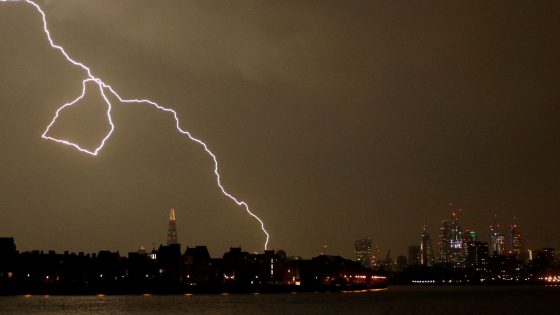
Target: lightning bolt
column 103, row 88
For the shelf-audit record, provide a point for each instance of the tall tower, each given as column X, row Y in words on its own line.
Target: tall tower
column 516, row 240
column 172, row 231
column 497, row 244
column 456, row 243
column 444, row 244
column 451, row 242
column 426, row 251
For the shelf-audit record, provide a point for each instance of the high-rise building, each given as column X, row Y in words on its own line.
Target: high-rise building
column 457, row 243
column 414, row 255
column 500, row 245
column 476, row 252
column 516, row 241
column 469, row 238
column 172, row 230
column 444, row 242
column 364, row 254
column 452, row 243
column 426, row 250
column 497, row 244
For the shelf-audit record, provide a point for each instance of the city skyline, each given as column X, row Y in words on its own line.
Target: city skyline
column 367, row 118
column 369, row 253
column 463, row 259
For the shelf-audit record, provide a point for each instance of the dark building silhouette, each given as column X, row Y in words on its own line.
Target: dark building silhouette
column 243, row 269
column 199, row 269
column 7, row 246
column 169, row 263
column 414, row 255
column 8, row 261
column 142, row 267
column 544, row 259
column 332, row 271
column 402, row 263
column 166, row 270
column 477, row 253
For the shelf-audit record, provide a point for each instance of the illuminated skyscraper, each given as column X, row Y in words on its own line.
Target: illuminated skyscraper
column 444, row 242
column 426, row 250
column 497, row 244
column 501, row 244
column 364, row 254
column 516, row 241
column 172, row 231
column 457, row 242
column 451, row 243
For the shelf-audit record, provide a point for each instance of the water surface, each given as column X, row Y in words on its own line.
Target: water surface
column 494, row 300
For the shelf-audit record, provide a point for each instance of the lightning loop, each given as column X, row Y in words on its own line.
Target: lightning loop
column 103, row 88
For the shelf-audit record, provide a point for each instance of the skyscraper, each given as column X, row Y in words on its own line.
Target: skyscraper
column 451, row 243
column 476, row 252
column 516, row 241
column 497, row 244
column 444, row 249
column 364, row 254
column 501, row 247
column 172, row 231
column 426, row 250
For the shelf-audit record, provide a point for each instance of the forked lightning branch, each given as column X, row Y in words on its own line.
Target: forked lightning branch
column 104, row 90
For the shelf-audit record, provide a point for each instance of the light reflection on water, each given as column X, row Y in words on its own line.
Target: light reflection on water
column 396, row 300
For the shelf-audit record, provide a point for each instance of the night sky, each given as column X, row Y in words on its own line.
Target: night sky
column 334, row 120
